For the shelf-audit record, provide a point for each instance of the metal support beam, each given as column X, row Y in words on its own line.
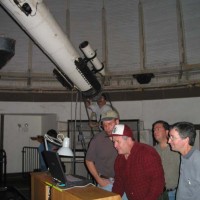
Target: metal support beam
column 141, row 36
column 181, row 37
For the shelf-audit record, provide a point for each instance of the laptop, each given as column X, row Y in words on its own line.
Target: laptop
column 56, row 170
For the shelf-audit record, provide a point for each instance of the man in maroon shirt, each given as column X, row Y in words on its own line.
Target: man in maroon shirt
column 138, row 168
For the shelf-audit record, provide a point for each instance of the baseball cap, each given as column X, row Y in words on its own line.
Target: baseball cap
column 109, row 115
column 122, row 130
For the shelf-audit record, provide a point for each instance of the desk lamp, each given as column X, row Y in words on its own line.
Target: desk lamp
column 61, row 141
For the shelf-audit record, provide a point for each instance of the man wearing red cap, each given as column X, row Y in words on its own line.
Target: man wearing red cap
column 138, row 168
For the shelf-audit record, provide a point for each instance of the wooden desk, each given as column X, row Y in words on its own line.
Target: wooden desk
column 40, row 190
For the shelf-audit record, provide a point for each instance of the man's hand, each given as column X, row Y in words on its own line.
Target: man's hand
column 88, row 102
column 103, row 182
column 39, row 138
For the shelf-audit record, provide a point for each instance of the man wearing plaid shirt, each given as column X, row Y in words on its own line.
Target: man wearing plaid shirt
column 138, row 168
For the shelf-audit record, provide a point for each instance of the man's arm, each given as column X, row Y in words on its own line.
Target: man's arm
column 38, row 138
column 92, row 169
column 118, row 184
column 88, row 103
column 93, row 115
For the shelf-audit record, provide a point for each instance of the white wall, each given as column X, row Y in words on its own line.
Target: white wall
column 17, row 132
column 171, row 110
column 48, row 122
column 18, row 128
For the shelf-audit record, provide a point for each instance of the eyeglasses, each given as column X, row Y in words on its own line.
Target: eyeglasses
column 171, row 137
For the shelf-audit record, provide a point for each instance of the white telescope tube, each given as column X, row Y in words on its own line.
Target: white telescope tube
column 41, row 26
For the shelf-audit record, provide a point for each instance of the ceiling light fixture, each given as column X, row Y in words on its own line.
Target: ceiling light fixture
column 143, row 78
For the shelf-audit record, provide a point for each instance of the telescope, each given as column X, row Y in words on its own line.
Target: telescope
column 71, row 70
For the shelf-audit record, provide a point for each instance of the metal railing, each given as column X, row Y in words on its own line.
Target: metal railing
column 30, row 160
